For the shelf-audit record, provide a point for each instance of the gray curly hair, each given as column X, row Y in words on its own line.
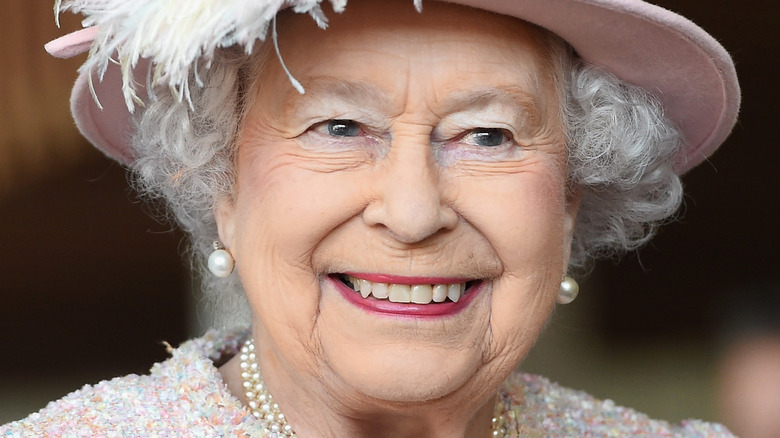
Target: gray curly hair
column 620, row 149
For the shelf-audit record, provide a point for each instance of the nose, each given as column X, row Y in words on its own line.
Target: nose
column 409, row 203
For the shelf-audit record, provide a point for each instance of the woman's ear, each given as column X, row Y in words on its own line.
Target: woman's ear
column 224, row 214
column 572, row 208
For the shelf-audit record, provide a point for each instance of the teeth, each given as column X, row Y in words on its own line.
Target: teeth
column 422, row 293
column 400, row 293
column 365, row 287
column 440, row 293
column 380, row 290
column 453, row 292
column 404, row 293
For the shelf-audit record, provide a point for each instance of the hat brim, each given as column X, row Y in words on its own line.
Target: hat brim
column 669, row 56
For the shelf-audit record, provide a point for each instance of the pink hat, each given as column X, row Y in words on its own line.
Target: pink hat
column 658, row 50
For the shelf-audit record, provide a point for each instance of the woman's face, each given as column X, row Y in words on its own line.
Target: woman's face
column 426, row 158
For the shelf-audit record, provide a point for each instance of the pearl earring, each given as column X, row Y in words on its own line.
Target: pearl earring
column 569, row 290
column 220, row 261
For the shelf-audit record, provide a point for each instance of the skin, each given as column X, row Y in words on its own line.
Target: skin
column 750, row 386
column 413, row 193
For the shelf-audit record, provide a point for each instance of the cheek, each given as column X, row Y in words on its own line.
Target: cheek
column 283, row 210
column 520, row 214
column 294, row 200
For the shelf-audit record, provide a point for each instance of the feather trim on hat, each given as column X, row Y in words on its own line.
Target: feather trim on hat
column 176, row 35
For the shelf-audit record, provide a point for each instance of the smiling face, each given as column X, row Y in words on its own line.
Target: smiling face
column 424, row 163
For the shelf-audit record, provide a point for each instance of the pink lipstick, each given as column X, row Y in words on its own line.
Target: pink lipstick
column 410, row 310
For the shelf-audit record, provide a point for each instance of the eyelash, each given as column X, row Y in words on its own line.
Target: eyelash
column 326, row 125
column 476, row 133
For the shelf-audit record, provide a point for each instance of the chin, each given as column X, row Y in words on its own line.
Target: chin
column 403, row 374
column 402, row 358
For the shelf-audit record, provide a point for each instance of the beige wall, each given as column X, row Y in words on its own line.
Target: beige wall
column 37, row 135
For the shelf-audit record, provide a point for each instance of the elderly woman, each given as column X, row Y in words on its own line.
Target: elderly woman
column 401, row 196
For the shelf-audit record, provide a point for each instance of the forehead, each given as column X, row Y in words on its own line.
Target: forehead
column 386, row 45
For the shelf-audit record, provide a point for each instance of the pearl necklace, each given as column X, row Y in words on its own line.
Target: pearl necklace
column 260, row 402
column 273, row 421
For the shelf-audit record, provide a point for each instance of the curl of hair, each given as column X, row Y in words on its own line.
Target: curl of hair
column 620, row 149
column 620, row 154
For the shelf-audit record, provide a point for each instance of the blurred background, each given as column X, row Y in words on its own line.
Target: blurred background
column 91, row 284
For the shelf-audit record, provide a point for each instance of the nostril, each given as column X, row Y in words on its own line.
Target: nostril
column 410, row 222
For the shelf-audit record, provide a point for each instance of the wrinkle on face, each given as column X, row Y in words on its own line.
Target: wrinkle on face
column 523, row 106
column 324, row 162
column 483, row 170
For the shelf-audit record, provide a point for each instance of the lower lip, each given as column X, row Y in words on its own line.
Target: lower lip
column 410, row 310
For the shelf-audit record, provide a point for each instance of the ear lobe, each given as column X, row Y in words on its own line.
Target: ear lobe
column 224, row 215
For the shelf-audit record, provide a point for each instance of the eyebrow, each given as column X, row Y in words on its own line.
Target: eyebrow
column 528, row 104
column 356, row 93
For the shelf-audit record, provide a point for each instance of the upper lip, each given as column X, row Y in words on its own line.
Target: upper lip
column 410, row 280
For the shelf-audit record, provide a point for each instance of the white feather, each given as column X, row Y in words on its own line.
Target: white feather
column 176, row 35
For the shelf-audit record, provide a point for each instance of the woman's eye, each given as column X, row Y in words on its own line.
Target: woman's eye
column 343, row 128
column 341, row 135
column 486, row 137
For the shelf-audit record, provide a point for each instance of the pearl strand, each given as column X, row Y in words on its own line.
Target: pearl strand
column 260, row 402
column 273, row 421
column 498, row 425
